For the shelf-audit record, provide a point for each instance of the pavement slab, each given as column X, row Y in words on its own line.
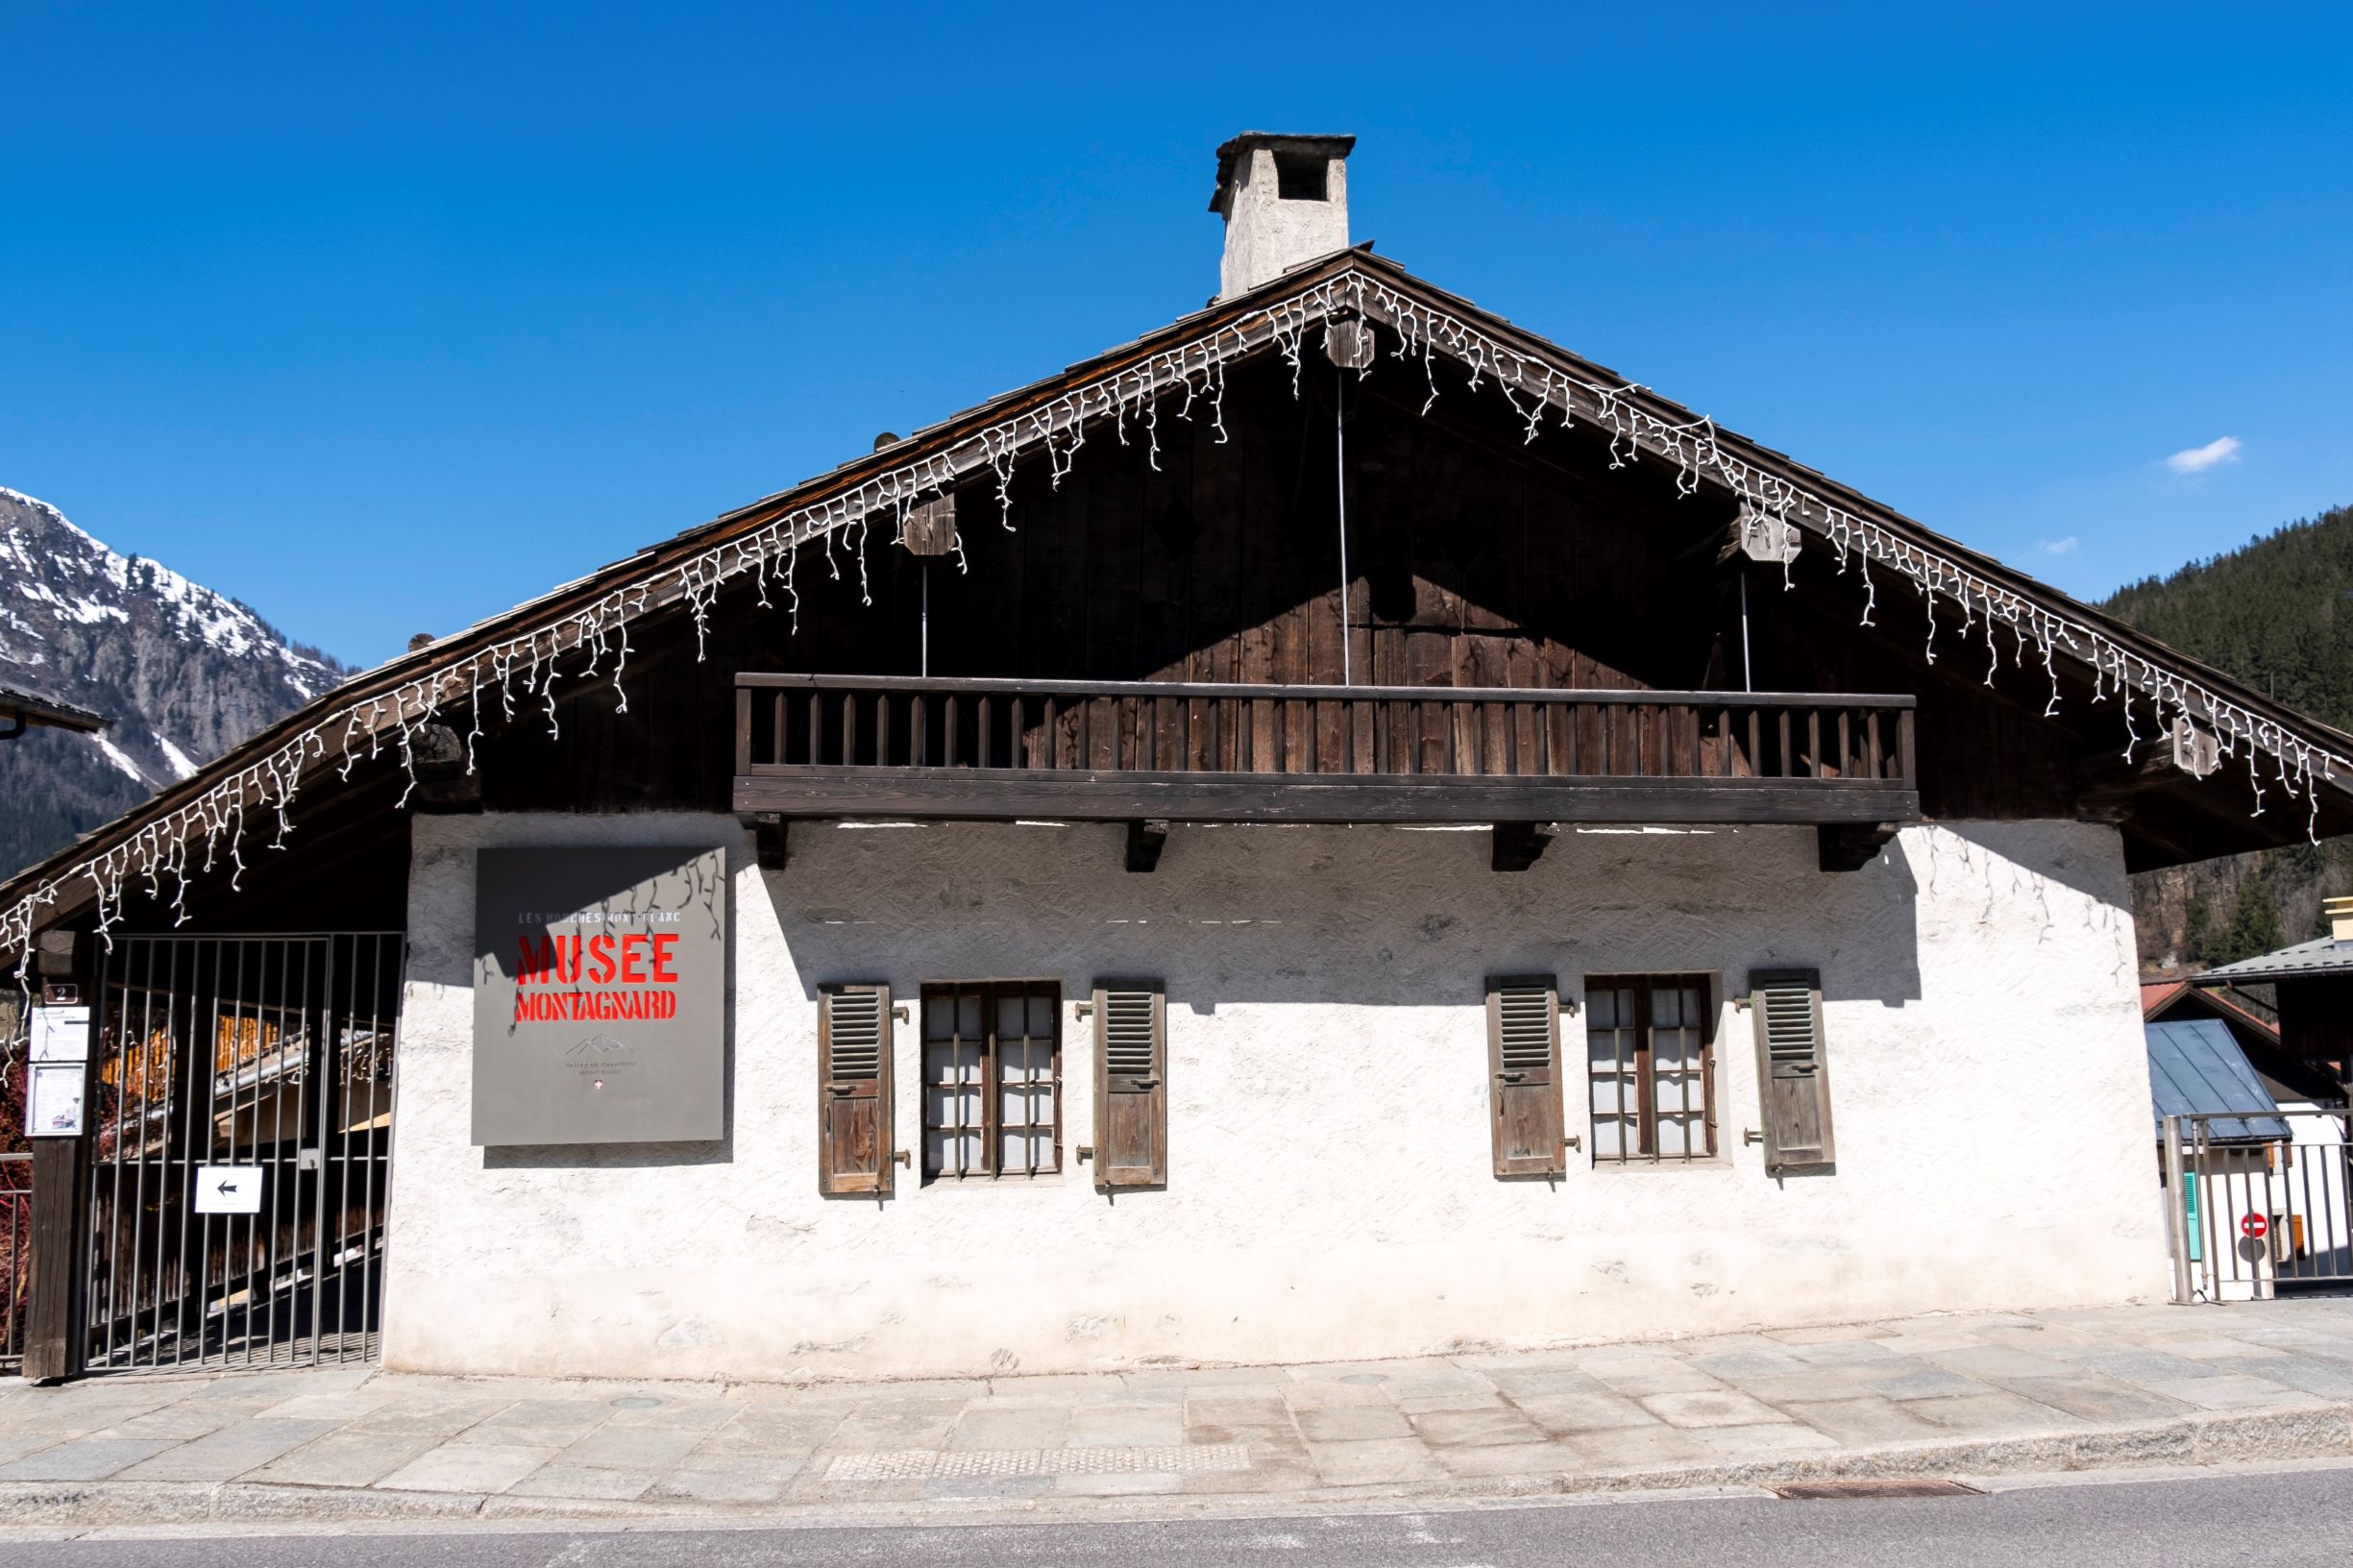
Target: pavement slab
column 85, row 1458
column 1475, row 1429
column 1566, row 1414
column 229, row 1452
column 560, row 1479
column 467, row 1467
column 1713, row 1408
column 1869, row 1420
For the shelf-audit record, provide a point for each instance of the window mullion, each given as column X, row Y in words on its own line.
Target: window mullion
column 991, row 1082
column 1646, row 1067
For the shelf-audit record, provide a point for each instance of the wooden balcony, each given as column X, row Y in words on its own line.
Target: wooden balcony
column 904, row 746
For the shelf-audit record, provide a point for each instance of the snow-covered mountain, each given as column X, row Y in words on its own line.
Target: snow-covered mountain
column 184, row 671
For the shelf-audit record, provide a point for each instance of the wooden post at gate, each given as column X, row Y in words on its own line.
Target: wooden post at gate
column 61, row 1198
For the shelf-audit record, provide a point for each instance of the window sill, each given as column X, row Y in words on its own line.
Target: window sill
column 1647, row 1167
column 1044, row 1177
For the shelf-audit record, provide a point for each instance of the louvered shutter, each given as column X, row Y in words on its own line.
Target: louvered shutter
column 1131, row 1084
column 1524, row 1073
column 1792, row 1069
column 853, row 1090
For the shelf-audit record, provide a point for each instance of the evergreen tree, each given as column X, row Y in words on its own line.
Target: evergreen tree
column 2277, row 613
column 2253, row 927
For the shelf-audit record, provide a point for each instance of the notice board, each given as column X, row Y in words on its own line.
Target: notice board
column 600, row 995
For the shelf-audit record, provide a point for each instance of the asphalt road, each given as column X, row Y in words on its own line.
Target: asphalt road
column 2242, row 1519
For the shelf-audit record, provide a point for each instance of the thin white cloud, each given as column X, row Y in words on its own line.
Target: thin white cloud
column 2198, row 459
column 2058, row 547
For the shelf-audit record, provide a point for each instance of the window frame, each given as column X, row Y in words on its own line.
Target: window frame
column 1643, row 1147
column 991, row 993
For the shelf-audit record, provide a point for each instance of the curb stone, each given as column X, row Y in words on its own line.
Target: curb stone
column 2297, row 1431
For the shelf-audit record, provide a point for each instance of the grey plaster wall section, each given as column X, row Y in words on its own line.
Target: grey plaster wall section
column 1330, row 1192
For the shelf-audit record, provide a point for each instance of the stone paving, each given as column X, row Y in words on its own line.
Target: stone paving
column 2057, row 1389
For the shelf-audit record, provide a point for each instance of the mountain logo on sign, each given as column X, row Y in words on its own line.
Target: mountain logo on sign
column 596, row 1045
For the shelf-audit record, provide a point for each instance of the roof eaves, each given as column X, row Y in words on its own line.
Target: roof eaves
column 1250, row 320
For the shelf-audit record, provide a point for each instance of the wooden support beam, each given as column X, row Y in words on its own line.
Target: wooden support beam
column 971, row 795
column 1347, row 344
column 1850, row 847
column 931, row 527
column 1519, row 846
column 2183, row 751
column 1145, row 840
column 771, row 844
column 55, row 1259
column 444, row 786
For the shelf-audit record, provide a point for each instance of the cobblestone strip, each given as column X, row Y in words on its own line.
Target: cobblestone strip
column 925, row 1463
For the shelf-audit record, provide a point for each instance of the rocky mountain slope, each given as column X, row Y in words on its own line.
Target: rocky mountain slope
column 184, row 671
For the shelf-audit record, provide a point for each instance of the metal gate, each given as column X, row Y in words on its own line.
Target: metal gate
column 2259, row 1203
column 243, row 1116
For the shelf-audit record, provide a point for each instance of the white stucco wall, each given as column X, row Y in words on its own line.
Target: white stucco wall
column 1331, row 1190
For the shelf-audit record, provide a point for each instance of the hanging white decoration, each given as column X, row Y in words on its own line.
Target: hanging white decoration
column 1055, row 425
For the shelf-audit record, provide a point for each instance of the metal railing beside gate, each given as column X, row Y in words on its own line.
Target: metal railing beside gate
column 2259, row 1202
column 237, row 1182
column 15, row 1255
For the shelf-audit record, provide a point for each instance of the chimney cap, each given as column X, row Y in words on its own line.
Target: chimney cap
column 1281, row 141
column 2339, row 913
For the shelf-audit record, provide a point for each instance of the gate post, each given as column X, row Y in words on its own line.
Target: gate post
column 58, row 1254
column 2176, row 1212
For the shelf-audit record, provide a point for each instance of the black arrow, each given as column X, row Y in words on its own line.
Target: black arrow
column 226, row 1187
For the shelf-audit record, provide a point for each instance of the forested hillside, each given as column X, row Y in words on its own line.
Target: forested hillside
column 2277, row 613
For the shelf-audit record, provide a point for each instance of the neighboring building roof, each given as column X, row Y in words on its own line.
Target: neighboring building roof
column 1414, row 320
column 2196, row 1068
column 2322, row 955
column 2161, row 997
column 25, row 708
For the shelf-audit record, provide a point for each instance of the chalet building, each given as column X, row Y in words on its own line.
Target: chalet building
column 1336, row 829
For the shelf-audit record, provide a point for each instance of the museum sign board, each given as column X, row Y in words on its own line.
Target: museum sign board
column 600, row 995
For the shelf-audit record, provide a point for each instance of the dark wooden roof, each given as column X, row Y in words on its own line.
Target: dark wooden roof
column 46, row 711
column 674, row 570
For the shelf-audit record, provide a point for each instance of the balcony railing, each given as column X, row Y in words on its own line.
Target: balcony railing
column 1105, row 751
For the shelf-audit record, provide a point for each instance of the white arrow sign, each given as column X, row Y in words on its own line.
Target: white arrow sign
column 229, row 1189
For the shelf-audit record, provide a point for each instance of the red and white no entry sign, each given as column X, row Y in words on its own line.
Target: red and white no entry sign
column 2254, row 1226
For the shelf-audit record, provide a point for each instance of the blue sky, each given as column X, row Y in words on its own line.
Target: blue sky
column 384, row 319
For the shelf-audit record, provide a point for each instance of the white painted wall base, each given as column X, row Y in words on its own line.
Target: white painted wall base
column 1331, row 1191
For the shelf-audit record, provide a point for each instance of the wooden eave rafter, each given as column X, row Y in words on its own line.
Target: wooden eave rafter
column 24, row 710
column 1276, row 316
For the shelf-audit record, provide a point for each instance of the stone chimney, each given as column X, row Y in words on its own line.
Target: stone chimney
column 1285, row 200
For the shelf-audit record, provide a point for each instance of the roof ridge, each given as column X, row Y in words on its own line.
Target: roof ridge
column 1052, row 417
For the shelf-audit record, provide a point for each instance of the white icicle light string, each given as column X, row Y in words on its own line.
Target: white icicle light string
column 1055, row 426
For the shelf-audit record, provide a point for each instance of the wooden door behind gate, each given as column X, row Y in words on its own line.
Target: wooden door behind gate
column 242, row 1109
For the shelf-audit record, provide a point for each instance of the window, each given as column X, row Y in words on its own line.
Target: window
column 991, row 1079
column 1650, row 1051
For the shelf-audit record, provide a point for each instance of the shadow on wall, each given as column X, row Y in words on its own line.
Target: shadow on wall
column 1334, row 916
column 2009, row 856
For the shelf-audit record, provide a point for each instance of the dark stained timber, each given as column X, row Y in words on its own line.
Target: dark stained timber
column 1131, row 751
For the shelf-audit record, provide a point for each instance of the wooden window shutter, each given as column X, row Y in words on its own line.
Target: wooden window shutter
column 1131, row 1084
column 1524, row 1075
column 1792, row 1069
column 854, row 1129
